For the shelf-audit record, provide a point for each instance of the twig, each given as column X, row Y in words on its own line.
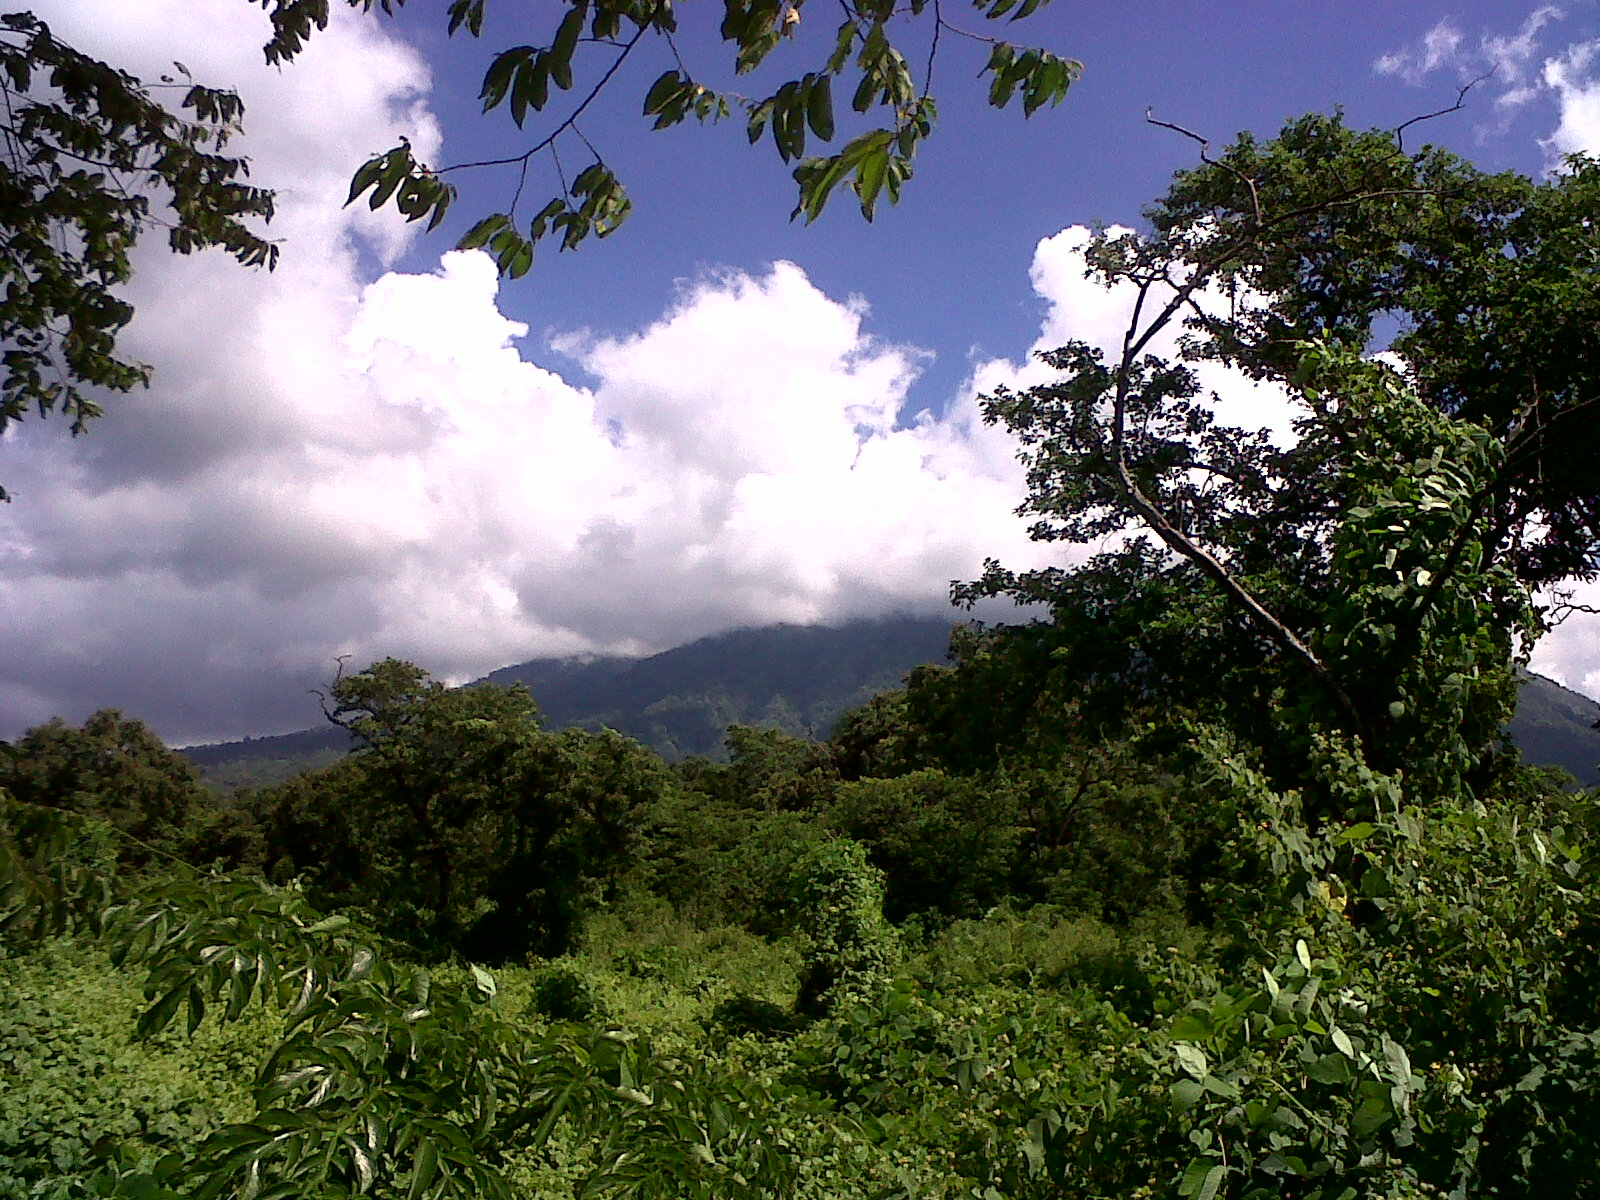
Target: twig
column 1205, row 157
column 1461, row 98
column 565, row 125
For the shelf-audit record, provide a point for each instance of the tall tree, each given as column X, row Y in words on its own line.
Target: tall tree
column 459, row 822
column 1373, row 575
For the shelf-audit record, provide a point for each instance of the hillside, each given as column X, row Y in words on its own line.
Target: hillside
column 1555, row 727
column 797, row 678
column 679, row 702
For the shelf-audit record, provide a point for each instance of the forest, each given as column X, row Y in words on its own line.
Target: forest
column 1215, row 880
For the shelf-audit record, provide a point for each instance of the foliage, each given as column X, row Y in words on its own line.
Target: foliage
column 387, row 1077
column 88, row 149
column 562, row 994
column 81, row 1098
column 113, row 768
column 945, row 845
column 461, row 825
column 1376, row 607
column 1325, row 231
column 771, row 769
column 1308, row 934
column 717, row 858
column 601, row 35
column 1245, row 550
column 850, row 949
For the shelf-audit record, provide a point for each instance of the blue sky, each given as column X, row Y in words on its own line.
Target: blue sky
column 990, row 184
column 714, row 418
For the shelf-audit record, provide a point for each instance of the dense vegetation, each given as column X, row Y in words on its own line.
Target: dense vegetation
column 1218, row 882
column 800, row 679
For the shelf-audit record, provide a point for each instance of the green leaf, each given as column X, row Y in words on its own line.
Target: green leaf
column 1192, row 1027
column 663, row 89
column 1330, row 1069
column 819, row 107
column 365, row 177
column 497, row 79
column 1196, row 1175
column 566, row 41
column 1192, row 1059
column 1186, row 1094
column 159, row 1015
column 424, row 1165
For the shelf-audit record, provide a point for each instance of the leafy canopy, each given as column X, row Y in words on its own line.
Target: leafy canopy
column 1372, row 575
column 87, row 149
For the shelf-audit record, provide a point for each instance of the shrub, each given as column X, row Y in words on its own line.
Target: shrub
column 851, row 949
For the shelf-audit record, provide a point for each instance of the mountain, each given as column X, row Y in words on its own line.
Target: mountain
column 801, row 678
column 798, row 678
column 1555, row 727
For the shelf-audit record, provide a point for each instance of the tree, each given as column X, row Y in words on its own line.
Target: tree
column 86, row 149
column 459, row 822
column 1373, row 576
column 114, row 769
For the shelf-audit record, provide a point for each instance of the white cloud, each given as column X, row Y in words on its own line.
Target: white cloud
column 1570, row 653
column 1439, row 47
column 1520, row 74
column 1572, row 78
column 1508, row 56
column 337, row 468
column 330, row 463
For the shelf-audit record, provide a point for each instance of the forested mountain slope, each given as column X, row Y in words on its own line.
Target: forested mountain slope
column 679, row 703
column 796, row 678
column 1555, row 727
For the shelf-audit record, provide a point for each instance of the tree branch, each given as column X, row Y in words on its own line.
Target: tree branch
column 572, row 117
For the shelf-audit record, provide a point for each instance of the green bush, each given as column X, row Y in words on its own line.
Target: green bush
column 115, row 770
column 850, row 949
column 562, row 993
column 946, row 845
column 81, row 1096
column 462, row 827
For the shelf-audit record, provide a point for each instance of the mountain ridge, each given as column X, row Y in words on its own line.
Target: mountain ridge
column 800, row 678
column 679, row 702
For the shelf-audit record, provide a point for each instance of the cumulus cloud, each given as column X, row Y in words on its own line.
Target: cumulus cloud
column 330, row 463
column 1571, row 77
column 343, row 459
column 407, row 482
column 1570, row 653
column 1500, row 59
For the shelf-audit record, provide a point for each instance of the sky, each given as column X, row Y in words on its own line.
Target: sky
column 715, row 418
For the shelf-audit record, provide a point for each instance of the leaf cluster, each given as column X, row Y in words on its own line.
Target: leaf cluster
column 88, row 151
column 528, row 79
